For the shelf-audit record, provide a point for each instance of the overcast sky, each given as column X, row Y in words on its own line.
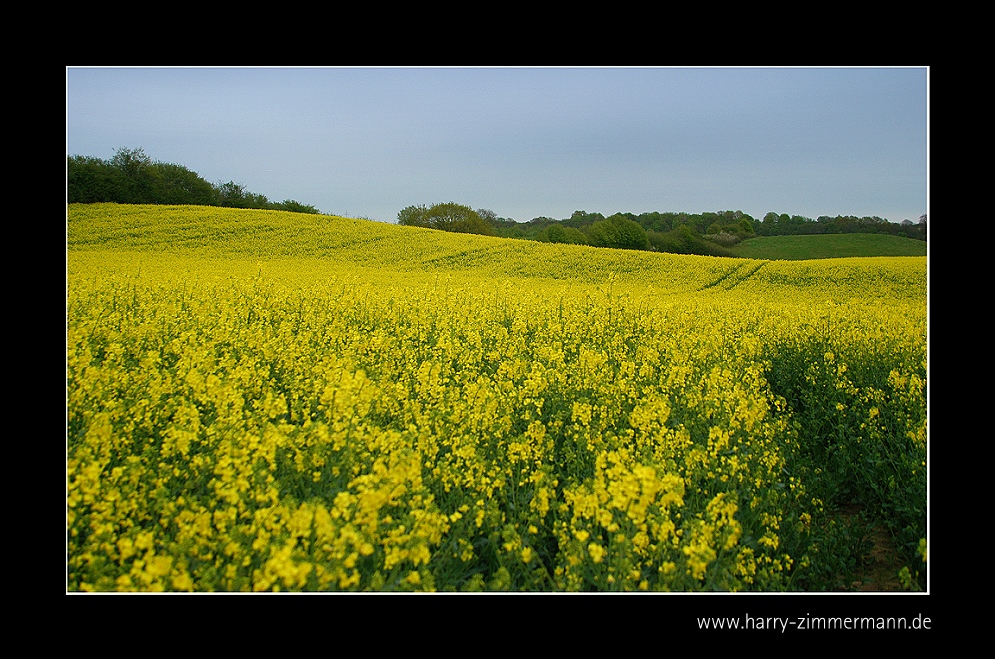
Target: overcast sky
column 527, row 142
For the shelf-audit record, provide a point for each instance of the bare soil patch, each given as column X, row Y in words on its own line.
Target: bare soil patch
column 880, row 574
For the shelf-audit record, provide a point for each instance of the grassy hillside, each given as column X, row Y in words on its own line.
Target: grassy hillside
column 263, row 400
column 828, row 246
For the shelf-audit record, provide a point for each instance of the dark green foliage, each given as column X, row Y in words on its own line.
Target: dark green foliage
column 684, row 240
column 413, row 216
column 731, row 223
column 131, row 177
column 175, row 184
column 618, row 231
column 91, row 180
column 488, row 216
column 672, row 242
column 857, row 415
column 503, row 226
column 457, row 218
column 795, row 225
column 710, row 234
column 581, row 219
column 296, row 207
column 137, row 178
column 680, row 233
column 556, row 233
column 559, row 233
column 234, row 195
column 448, row 216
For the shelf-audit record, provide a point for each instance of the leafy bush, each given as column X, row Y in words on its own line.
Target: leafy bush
column 724, row 239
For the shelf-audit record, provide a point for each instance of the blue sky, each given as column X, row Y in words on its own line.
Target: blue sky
column 527, row 142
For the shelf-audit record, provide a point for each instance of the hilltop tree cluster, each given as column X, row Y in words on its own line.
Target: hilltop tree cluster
column 448, row 216
column 131, row 177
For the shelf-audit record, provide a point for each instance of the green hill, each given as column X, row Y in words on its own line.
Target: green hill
column 792, row 248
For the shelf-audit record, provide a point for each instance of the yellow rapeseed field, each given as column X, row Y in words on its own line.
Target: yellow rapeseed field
column 261, row 401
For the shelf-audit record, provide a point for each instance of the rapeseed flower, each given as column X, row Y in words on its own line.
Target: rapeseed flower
column 347, row 418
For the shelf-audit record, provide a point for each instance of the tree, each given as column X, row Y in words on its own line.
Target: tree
column 457, row 218
column 91, row 180
column 296, row 207
column 175, row 184
column 556, row 233
column 232, row 194
column 559, row 233
column 413, row 216
column 138, row 180
column 448, row 216
column 488, row 216
column 618, row 231
column 581, row 219
column 131, row 161
column 654, row 221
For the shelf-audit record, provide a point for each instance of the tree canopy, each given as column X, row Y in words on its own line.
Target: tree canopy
column 132, row 177
column 618, row 231
column 448, row 216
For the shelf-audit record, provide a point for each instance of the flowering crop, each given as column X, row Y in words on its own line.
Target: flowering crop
column 265, row 401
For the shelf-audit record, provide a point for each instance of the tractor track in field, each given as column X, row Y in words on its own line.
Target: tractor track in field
column 734, row 277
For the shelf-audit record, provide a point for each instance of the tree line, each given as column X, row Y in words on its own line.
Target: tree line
column 679, row 233
column 131, row 177
column 792, row 225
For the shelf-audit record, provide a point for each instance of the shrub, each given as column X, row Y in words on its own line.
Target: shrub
column 724, row 239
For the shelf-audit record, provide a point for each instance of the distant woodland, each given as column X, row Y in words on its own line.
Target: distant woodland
column 131, row 177
column 690, row 233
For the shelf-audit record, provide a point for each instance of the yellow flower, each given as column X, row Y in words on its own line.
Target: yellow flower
column 182, row 581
